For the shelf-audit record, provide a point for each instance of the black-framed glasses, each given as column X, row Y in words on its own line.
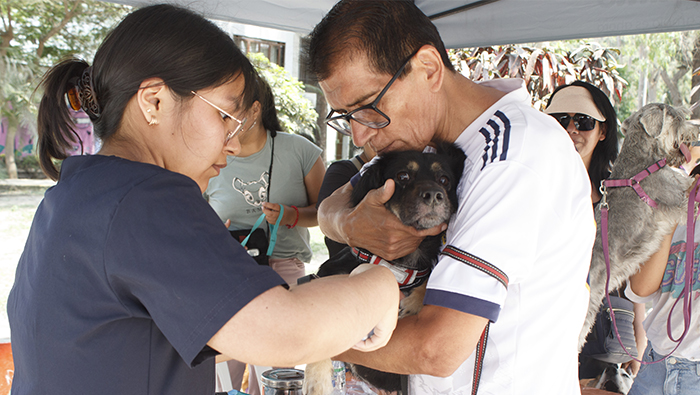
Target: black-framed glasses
column 224, row 117
column 368, row 115
column 582, row 122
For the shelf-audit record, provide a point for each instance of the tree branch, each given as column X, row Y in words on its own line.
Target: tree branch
column 672, row 87
column 70, row 13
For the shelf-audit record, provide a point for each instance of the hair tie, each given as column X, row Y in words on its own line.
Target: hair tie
column 87, row 95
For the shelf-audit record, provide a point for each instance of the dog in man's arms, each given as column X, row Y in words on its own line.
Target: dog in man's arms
column 425, row 196
column 635, row 228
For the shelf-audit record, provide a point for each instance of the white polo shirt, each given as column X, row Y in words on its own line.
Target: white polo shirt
column 525, row 208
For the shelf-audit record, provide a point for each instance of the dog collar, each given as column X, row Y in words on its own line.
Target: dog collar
column 634, row 182
column 406, row 278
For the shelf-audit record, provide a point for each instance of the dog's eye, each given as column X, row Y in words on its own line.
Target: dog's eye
column 444, row 181
column 403, row 176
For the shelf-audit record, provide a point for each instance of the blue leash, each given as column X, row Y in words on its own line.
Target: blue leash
column 273, row 231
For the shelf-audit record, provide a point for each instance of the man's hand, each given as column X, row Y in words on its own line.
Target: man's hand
column 371, row 226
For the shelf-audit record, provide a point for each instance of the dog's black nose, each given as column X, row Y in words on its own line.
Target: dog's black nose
column 432, row 196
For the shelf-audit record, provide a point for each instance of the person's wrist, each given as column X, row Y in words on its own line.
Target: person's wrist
column 296, row 220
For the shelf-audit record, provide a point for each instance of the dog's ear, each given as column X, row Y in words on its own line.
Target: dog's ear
column 652, row 118
column 455, row 156
column 372, row 178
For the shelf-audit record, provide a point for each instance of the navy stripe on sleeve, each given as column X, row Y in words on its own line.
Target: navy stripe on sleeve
column 463, row 303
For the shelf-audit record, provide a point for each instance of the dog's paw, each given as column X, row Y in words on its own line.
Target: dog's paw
column 413, row 303
column 317, row 378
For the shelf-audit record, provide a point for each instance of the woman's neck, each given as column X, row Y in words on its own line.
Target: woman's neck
column 253, row 140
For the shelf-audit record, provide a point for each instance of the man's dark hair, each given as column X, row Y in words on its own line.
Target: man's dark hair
column 386, row 31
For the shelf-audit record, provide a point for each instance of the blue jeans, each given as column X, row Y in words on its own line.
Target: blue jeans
column 674, row 376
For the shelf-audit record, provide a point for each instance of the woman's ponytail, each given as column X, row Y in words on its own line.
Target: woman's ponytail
column 55, row 124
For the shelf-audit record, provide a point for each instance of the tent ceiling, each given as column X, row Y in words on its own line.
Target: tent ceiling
column 480, row 22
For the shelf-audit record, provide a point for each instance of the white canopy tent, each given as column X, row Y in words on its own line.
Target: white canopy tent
column 469, row 23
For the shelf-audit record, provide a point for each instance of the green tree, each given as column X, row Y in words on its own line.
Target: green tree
column 36, row 34
column 294, row 110
column 659, row 68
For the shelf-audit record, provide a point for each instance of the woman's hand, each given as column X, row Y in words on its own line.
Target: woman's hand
column 272, row 212
column 381, row 334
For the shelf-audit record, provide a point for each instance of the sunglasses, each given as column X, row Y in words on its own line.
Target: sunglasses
column 582, row 122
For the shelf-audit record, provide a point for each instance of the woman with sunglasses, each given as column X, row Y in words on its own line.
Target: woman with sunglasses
column 586, row 113
column 129, row 282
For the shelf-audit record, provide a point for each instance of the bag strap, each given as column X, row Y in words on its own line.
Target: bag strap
column 272, row 234
column 501, row 277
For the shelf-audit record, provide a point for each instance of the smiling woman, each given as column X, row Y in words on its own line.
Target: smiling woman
column 129, row 282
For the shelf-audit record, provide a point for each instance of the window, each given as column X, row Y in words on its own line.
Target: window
column 271, row 49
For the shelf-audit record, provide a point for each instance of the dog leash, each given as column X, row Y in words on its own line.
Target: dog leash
column 273, row 231
column 693, row 197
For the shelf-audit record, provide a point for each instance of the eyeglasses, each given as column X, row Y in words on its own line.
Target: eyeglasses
column 368, row 115
column 582, row 122
column 224, row 117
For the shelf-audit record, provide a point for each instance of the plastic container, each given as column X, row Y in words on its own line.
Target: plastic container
column 338, row 378
column 283, row 382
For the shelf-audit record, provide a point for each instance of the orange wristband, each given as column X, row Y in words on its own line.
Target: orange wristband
column 296, row 220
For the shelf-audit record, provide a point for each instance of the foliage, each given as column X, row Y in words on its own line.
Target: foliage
column 543, row 68
column 47, row 31
column 34, row 35
column 16, row 91
column 294, row 110
column 659, row 67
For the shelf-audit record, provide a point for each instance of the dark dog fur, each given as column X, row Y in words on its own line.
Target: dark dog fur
column 425, row 196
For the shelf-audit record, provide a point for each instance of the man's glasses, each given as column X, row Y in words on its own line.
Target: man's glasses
column 582, row 122
column 368, row 115
column 224, row 117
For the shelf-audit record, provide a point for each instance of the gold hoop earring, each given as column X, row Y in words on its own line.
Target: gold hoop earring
column 153, row 121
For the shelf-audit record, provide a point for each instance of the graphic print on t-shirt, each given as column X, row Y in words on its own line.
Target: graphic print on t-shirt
column 674, row 276
column 254, row 192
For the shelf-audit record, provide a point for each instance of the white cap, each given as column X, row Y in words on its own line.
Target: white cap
column 574, row 99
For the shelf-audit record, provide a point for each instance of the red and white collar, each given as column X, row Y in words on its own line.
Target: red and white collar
column 405, row 277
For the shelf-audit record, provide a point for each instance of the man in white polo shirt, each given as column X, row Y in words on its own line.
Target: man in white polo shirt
column 520, row 243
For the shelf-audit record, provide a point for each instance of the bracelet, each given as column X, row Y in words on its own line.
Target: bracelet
column 296, row 220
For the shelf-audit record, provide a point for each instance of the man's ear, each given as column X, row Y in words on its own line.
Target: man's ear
column 149, row 98
column 428, row 60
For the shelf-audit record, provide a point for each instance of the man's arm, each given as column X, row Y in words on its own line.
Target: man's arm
column 436, row 341
column 370, row 225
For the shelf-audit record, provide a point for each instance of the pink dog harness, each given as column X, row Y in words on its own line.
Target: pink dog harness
column 693, row 197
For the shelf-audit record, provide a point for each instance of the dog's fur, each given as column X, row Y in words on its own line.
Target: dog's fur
column 425, row 196
column 614, row 379
column 635, row 229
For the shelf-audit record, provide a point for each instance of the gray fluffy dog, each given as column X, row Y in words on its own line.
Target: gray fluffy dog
column 635, row 229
